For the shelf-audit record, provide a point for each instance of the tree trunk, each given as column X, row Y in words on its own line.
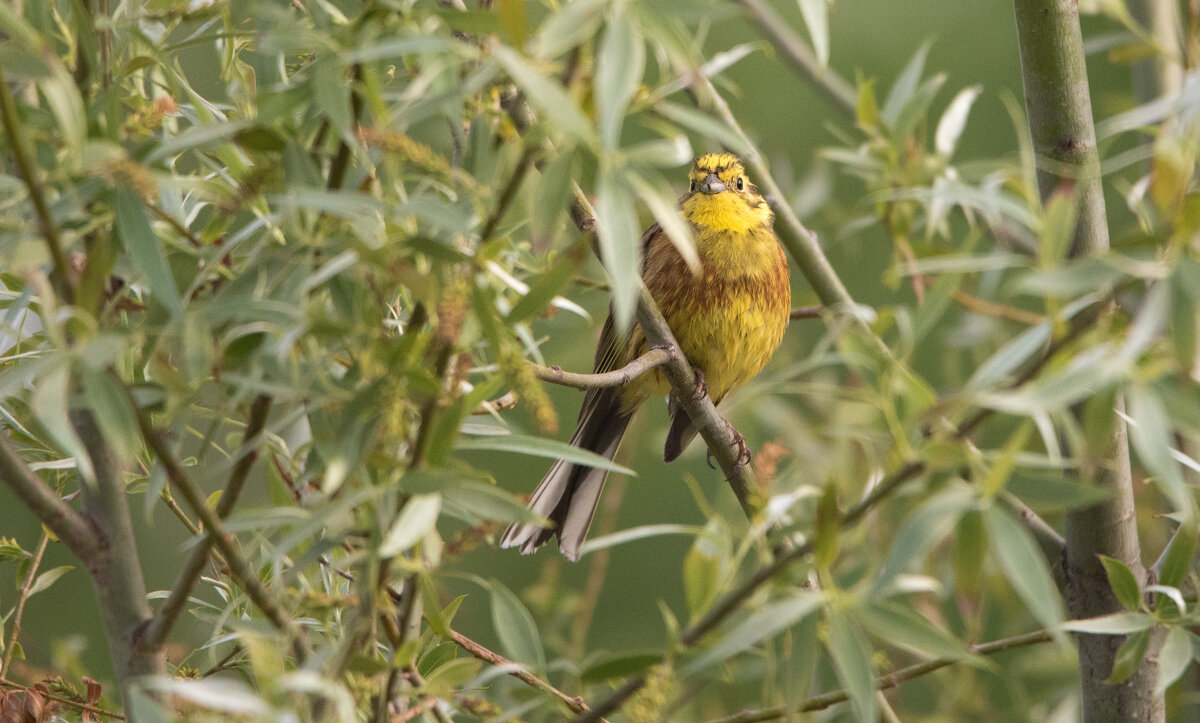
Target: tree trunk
column 1060, row 120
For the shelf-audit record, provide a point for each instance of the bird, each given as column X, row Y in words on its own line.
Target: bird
column 728, row 317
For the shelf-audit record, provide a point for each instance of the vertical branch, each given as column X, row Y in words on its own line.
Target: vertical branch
column 116, row 567
column 1162, row 73
column 1060, row 121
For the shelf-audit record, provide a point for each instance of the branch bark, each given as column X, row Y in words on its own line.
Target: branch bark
column 1060, row 121
column 115, row 567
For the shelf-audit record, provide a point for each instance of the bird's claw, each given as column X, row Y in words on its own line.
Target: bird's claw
column 701, row 390
column 739, row 441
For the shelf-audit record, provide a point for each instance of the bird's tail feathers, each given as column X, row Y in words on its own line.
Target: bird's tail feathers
column 569, row 493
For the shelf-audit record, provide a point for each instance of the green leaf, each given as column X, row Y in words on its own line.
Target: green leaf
column 705, row 565
column 1174, row 658
column 951, row 125
column 852, row 660
column 617, row 229
column 49, row 401
column 432, row 606
column 663, row 204
column 898, row 625
column 514, row 26
column 1129, row 657
column 619, row 66
column 541, row 447
column 515, row 627
column 760, row 625
column 547, row 96
column 828, row 528
column 573, row 22
column 1058, row 227
column 707, row 126
column 918, row 106
column 1001, row 468
column 10, row 549
column 1114, row 624
column 1023, row 565
column 1177, row 558
column 1123, row 583
column 550, row 284
column 417, row 518
column 922, row 529
column 48, row 578
column 144, row 250
column 905, row 85
column 115, row 419
column 1150, row 431
column 619, row 665
column 816, row 19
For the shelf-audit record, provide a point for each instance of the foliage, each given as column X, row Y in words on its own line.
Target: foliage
column 323, row 239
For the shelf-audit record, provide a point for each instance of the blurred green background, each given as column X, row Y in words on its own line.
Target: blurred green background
column 973, row 42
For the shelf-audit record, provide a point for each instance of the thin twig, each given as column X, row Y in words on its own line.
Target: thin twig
column 62, row 519
column 989, row 308
column 618, row 378
column 835, row 88
column 239, row 569
column 576, row 703
column 160, row 627
column 37, row 192
column 807, row 312
column 34, row 563
column 891, row 680
column 65, row 701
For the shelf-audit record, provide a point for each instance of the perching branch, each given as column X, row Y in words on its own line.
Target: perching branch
column 617, row 378
column 806, row 312
column 891, row 680
column 793, row 49
column 575, row 703
column 158, row 630
column 720, row 436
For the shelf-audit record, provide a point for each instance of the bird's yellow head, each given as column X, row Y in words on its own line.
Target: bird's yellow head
column 721, row 197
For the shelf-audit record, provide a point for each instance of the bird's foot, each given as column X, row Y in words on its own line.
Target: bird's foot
column 701, row 390
column 739, row 441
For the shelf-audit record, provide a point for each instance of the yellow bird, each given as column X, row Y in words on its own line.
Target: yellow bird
column 728, row 319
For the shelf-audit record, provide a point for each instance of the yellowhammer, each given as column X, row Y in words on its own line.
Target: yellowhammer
column 728, row 320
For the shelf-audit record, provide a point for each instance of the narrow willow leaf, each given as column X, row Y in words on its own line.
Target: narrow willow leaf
column 665, row 208
column 417, row 519
column 48, row 578
column 432, row 606
column 816, row 19
column 917, row 108
column 572, row 23
column 760, row 625
column 1150, row 431
column 922, row 529
column 898, row 625
column 852, row 660
column 51, row 395
column 1177, row 558
column 619, row 66
column 1129, row 657
column 541, row 447
column 1023, row 565
column 905, row 85
column 705, row 125
column 617, row 229
column 550, row 284
column 514, row 25
column 145, row 252
column 951, row 125
column 1124, row 585
column 1174, row 658
column 1115, row 624
column 515, row 627
column 547, row 96
column 619, row 665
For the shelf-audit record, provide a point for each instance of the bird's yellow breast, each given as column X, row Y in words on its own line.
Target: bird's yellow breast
column 730, row 318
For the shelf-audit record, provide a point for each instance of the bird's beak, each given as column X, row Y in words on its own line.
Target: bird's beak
column 713, row 184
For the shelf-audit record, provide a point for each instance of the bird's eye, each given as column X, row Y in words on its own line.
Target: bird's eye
column 693, row 188
column 739, row 183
